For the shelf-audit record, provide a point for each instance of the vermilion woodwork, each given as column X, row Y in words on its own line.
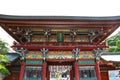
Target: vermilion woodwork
column 76, row 71
column 60, row 60
column 108, row 25
column 98, row 71
column 62, row 23
column 22, row 71
column 44, row 71
column 66, row 48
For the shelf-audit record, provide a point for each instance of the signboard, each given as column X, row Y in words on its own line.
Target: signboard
column 114, row 75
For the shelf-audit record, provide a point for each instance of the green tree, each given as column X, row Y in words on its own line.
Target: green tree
column 112, row 48
column 114, row 43
column 118, row 43
column 118, row 46
column 3, row 59
column 3, row 47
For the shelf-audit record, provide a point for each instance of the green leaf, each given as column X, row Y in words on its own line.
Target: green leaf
column 4, row 70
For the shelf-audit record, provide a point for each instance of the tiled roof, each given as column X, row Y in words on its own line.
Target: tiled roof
column 59, row 17
column 12, row 56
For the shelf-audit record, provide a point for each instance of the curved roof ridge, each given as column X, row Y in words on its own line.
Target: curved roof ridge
column 59, row 17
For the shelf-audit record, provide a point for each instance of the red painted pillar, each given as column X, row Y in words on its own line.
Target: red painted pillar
column 71, row 74
column 48, row 76
column 22, row 70
column 76, row 71
column 44, row 71
column 48, row 73
column 98, row 71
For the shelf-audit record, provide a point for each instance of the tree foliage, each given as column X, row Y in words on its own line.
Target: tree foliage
column 3, row 59
column 118, row 43
column 3, row 69
column 3, row 47
column 114, row 43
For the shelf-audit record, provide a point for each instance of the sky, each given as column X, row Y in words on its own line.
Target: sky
column 58, row 8
column 61, row 7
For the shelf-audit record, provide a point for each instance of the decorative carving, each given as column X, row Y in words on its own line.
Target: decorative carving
column 24, row 33
column 92, row 34
column 76, row 52
column 44, row 52
column 22, row 52
column 28, row 35
column 95, row 33
column 73, row 33
column 47, row 33
column 97, row 53
column 60, row 55
column 34, row 54
column 86, row 54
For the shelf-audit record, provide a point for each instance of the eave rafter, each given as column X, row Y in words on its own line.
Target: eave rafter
column 109, row 31
column 10, row 33
column 61, row 24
